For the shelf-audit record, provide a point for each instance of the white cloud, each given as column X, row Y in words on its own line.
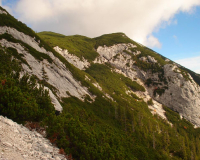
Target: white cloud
column 7, row 7
column 152, row 41
column 190, row 63
column 137, row 19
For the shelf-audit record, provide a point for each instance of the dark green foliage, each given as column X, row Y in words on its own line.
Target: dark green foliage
column 44, row 75
column 20, row 99
column 38, row 55
column 186, row 133
column 10, row 21
column 114, row 116
column 133, row 85
column 112, row 82
column 15, row 104
column 93, row 133
column 135, row 96
column 6, row 67
column 14, row 52
column 194, row 75
column 148, row 82
column 150, row 102
column 158, row 91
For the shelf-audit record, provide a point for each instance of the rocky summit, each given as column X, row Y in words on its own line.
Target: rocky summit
column 107, row 97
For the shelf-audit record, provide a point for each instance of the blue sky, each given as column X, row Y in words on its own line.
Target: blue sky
column 171, row 28
column 181, row 38
column 181, row 41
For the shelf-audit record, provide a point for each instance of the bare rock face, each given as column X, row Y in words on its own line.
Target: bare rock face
column 176, row 90
column 54, row 100
column 17, row 142
column 76, row 61
column 148, row 59
column 124, row 65
column 116, row 56
column 109, row 52
column 56, row 72
column 181, row 93
column 151, row 59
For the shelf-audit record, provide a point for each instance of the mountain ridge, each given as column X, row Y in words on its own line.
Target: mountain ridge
column 109, row 93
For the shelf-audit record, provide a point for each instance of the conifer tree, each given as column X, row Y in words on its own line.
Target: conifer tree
column 44, row 75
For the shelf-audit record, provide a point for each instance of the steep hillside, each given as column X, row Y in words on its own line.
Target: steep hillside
column 166, row 82
column 108, row 90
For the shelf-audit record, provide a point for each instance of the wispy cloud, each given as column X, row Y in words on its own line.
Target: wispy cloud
column 7, row 7
column 137, row 19
column 176, row 40
column 175, row 37
column 190, row 63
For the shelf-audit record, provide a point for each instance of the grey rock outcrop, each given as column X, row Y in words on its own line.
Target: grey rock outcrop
column 151, row 59
column 182, row 94
column 179, row 93
column 17, row 142
column 109, row 52
column 76, row 61
column 56, row 72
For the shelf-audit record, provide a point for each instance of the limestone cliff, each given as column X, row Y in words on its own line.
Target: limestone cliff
column 172, row 86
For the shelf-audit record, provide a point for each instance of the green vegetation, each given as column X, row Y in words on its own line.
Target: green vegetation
column 148, row 82
column 80, row 46
column 38, row 55
column 111, row 39
column 158, row 91
column 20, row 99
column 135, row 96
column 122, row 128
column 104, row 129
column 17, row 55
column 10, row 21
column 186, row 132
column 150, row 102
column 113, row 83
column 194, row 75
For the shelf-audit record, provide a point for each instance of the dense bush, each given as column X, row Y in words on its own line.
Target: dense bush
column 20, row 98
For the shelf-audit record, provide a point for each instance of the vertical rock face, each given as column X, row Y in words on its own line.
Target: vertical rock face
column 181, row 93
column 173, row 88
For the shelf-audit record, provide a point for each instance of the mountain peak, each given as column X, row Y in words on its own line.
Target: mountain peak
column 107, row 97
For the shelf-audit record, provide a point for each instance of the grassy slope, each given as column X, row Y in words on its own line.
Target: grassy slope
column 81, row 46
